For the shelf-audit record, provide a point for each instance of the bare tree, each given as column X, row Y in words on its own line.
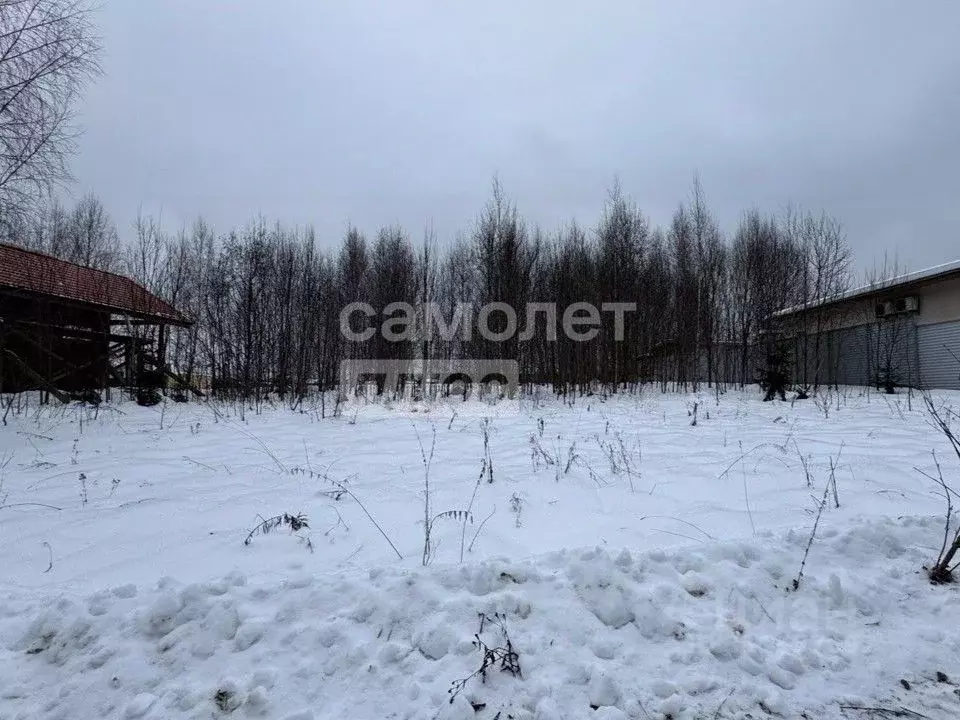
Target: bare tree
column 710, row 264
column 892, row 336
column 823, row 275
column 426, row 282
column 393, row 282
column 92, row 235
column 621, row 240
column 505, row 256
column 765, row 273
column 48, row 52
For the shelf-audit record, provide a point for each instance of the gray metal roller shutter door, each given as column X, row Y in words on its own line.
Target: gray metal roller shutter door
column 803, row 352
column 938, row 346
column 808, row 357
column 840, row 357
column 850, row 356
column 893, row 341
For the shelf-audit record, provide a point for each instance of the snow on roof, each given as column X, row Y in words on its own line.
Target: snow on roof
column 885, row 284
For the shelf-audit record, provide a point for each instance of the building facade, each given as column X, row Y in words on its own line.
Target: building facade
column 903, row 332
column 65, row 328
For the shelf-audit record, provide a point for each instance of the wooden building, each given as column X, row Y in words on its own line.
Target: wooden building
column 66, row 329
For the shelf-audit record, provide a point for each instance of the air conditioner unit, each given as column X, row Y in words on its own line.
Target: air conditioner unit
column 910, row 303
column 885, row 309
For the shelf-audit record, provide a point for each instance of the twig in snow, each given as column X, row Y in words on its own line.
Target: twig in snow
column 339, row 522
column 942, row 570
column 30, row 504
column 346, row 491
column 833, row 483
column 888, row 712
column 676, row 534
column 199, row 464
column 743, row 455
column 571, row 457
column 723, row 702
column 516, row 507
column 503, row 656
column 537, row 453
column 263, row 446
column 625, row 462
column 427, row 519
column 753, row 596
column 477, row 533
column 679, row 520
column 36, row 435
column 352, row 555
column 813, row 533
column 473, row 497
column 266, row 525
column 746, row 495
column 488, row 458
column 803, row 462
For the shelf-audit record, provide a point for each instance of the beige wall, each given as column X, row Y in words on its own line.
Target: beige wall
column 939, row 302
column 835, row 317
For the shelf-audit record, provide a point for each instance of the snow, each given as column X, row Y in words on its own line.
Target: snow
column 649, row 577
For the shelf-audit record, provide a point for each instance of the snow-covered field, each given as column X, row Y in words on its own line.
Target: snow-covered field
column 640, row 564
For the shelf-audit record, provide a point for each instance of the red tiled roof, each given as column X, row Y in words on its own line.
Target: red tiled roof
column 35, row 272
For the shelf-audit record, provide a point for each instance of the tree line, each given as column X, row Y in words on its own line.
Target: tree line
column 266, row 300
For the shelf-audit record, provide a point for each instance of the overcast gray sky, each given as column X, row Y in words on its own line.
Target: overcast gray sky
column 401, row 111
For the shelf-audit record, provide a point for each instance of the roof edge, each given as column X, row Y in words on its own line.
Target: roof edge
column 177, row 318
column 931, row 273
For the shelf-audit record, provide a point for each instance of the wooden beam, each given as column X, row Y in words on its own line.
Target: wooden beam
column 183, row 383
column 42, row 349
column 38, row 378
column 142, row 323
column 75, row 368
column 64, row 331
column 142, row 318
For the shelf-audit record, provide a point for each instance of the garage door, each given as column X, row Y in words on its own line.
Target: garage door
column 850, row 356
column 939, row 347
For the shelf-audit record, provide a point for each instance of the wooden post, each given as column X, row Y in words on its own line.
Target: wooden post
column 105, row 368
column 2, row 353
column 162, row 348
column 39, row 379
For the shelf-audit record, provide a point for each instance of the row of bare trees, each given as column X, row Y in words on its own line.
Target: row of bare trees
column 83, row 234
column 266, row 299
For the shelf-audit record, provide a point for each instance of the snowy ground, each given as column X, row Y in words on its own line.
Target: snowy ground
column 641, row 562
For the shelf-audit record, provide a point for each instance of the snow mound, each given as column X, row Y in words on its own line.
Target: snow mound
column 706, row 631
